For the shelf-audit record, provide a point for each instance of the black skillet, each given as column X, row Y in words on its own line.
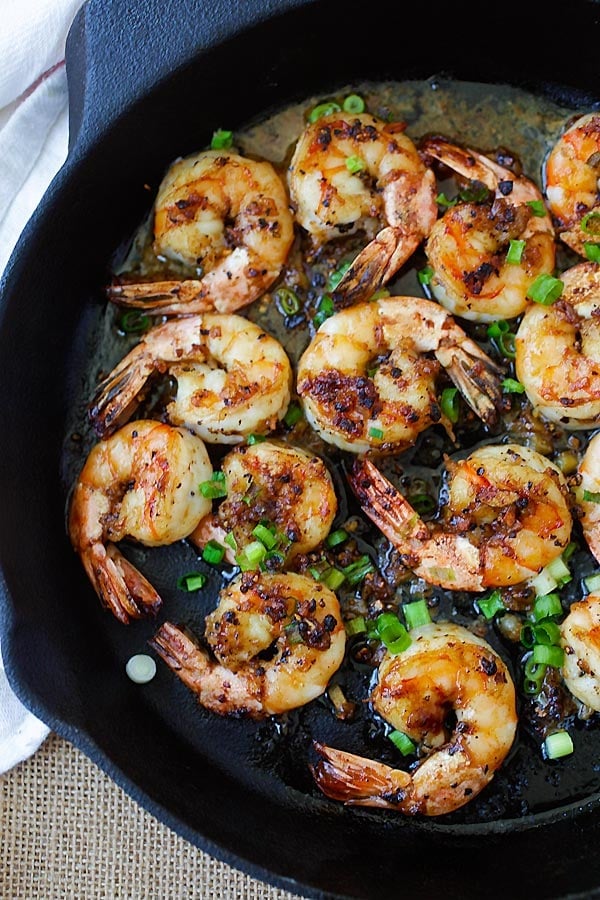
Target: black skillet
column 150, row 80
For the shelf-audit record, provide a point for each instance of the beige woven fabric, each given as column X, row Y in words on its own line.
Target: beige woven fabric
column 68, row 831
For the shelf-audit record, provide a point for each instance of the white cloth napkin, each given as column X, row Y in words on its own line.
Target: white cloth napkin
column 33, row 146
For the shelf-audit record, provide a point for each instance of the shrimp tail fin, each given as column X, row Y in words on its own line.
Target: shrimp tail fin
column 117, row 396
column 358, row 781
column 163, row 297
column 120, row 586
column 386, row 506
column 181, row 653
column 375, row 265
column 476, row 376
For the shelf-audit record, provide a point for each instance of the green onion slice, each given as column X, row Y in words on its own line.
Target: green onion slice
column 558, row 744
column 450, row 404
column 133, row 322
column 402, row 742
column 546, row 606
column 221, row 140
column 355, row 164
column 265, row 536
column 193, row 581
column 503, row 337
column 592, row 582
column 251, row 556
column 425, row 275
column 335, row 278
column 515, row 252
column 357, row 625
column 416, row 614
column 548, row 655
column 590, row 223
column 442, row 200
column 422, row 503
column 337, row 537
column 293, row 415
column 375, row 433
column 334, row 578
column 357, row 570
column 255, row 439
column 323, row 109
column 325, row 309
column 287, row 301
column 537, row 207
column 354, row 104
column 545, row 290
column 512, row 386
column 213, row 552
column 214, row 488
column 592, row 496
column 491, row 605
column 592, row 251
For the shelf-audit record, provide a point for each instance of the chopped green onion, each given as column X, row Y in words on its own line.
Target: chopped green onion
column 442, row 200
column 325, row 309
column 293, row 415
column 544, row 583
column 375, row 433
column 422, row 503
column 527, row 635
column 323, row 109
column 489, row 606
column 293, row 633
column 534, row 675
column 559, row 570
column 503, row 337
column 133, row 322
column 287, row 301
column 337, row 537
column 592, row 582
column 450, row 403
column 496, row 329
column 216, row 487
column 213, row 552
column 416, row 614
column 592, row 251
column 141, row 668
column 425, row 274
column 547, row 632
column 512, row 386
column 548, row 655
column 265, row 536
column 594, row 218
column 221, row 140
column 356, row 626
column 558, row 744
column 402, row 742
column 545, row 290
column 475, row 193
column 399, row 645
column 515, row 252
column 335, row 278
column 334, row 578
column 230, row 540
column 355, row 164
column 569, row 550
column 255, row 439
column 273, row 559
column 353, row 104
column 537, row 207
column 356, row 571
column 381, row 294
column 592, row 496
column 546, row 606
column 251, row 556
column 193, row 581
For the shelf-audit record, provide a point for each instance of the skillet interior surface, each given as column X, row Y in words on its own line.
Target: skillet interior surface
column 139, row 101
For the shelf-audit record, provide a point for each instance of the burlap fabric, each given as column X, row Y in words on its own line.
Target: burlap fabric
column 68, row 831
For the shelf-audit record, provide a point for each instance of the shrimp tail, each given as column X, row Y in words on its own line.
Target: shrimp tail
column 358, row 781
column 181, row 653
column 163, row 297
column 373, row 266
column 121, row 587
column 476, row 376
column 386, row 506
column 117, row 396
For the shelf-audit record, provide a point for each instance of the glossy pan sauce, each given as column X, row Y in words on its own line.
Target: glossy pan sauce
column 487, row 118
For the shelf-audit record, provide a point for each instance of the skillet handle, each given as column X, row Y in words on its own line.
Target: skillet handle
column 118, row 51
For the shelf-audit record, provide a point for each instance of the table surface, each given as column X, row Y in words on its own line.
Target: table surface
column 68, row 831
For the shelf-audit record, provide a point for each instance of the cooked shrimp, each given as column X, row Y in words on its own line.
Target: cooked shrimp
column 467, row 247
column 580, row 639
column 558, row 351
column 572, row 179
column 233, row 379
column 286, row 487
column 141, row 483
column 589, row 471
column 445, row 668
column 276, row 640
column 352, row 172
column 229, row 218
column 506, row 517
column 367, row 385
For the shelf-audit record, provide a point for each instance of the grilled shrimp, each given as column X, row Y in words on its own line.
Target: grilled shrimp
column 580, row 639
column 446, row 667
column 233, row 379
column 274, row 483
column 589, row 471
column 506, row 517
column 276, row 640
column 571, row 174
column 140, row 483
column 366, row 383
column 228, row 217
column 467, row 247
column 558, row 351
column 351, row 172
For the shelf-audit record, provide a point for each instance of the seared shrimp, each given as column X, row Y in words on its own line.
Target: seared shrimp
column 367, row 385
column 286, row 487
column 572, row 174
column 227, row 217
column 233, row 379
column 141, row 483
column 446, row 667
column 558, row 351
column 276, row 640
column 351, row 172
column 467, row 247
column 506, row 517
column 589, row 471
column 580, row 639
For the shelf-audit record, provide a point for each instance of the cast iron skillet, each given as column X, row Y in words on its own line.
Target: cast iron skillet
column 150, row 80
